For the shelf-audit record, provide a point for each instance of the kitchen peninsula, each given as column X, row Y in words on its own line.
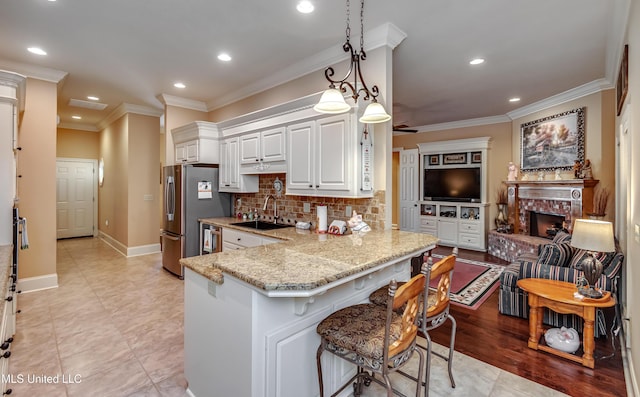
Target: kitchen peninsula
column 251, row 314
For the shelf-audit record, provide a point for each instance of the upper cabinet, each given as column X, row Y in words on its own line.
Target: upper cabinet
column 263, row 151
column 230, row 179
column 196, row 142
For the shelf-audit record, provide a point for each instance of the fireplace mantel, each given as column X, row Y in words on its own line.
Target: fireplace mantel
column 576, row 195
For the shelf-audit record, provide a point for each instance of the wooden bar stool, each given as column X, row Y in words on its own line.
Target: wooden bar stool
column 437, row 312
column 376, row 338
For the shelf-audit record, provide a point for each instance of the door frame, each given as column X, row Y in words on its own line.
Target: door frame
column 94, row 162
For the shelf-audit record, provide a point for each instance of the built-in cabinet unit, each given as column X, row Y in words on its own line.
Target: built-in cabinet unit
column 230, row 179
column 321, row 154
column 234, row 240
column 196, row 142
column 456, row 222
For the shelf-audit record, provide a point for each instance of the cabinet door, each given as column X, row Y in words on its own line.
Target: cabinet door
column 300, row 170
column 223, row 177
column 193, row 151
column 272, row 145
column 409, row 210
column 250, row 148
column 181, row 153
column 448, row 231
column 234, row 162
column 333, row 162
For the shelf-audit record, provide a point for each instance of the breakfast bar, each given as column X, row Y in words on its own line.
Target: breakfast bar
column 251, row 314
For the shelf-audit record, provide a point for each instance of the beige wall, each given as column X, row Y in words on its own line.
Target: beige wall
column 37, row 186
column 113, row 210
column 498, row 157
column 599, row 137
column 77, row 144
column 143, row 179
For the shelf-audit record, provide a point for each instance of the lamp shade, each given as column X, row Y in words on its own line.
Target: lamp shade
column 374, row 113
column 593, row 235
column 332, row 102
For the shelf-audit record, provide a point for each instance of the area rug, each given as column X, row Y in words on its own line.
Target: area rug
column 473, row 282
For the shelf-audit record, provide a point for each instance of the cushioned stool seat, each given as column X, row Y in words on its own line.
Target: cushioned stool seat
column 360, row 329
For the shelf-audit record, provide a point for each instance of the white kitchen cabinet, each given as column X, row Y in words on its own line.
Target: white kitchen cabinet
column 263, row 146
column 196, row 142
column 230, row 179
column 234, row 239
column 323, row 158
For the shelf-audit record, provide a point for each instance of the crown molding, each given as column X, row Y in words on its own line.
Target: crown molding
column 563, row 97
column 463, row 123
column 34, row 72
column 80, row 127
column 172, row 100
column 384, row 35
column 125, row 108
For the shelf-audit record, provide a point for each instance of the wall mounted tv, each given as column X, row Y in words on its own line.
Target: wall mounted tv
column 452, row 184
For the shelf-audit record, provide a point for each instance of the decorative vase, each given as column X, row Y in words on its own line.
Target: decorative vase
column 501, row 218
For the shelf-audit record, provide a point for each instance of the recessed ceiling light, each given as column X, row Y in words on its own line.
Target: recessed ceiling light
column 516, row 99
column 93, row 98
column 179, row 85
column 224, row 57
column 305, row 6
column 37, row 51
column 476, row 61
column 76, row 117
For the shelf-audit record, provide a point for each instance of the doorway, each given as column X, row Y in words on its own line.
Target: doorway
column 76, row 197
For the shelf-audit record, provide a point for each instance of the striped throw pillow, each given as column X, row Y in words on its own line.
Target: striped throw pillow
column 556, row 254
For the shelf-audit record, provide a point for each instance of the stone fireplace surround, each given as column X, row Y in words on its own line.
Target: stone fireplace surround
column 572, row 199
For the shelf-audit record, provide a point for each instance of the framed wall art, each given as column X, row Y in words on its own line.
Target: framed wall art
column 554, row 142
column 476, row 157
column 622, row 85
column 434, row 159
column 454, row 158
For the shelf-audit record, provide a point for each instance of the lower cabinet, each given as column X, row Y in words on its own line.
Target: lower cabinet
column 234, row 239
column 460, row 225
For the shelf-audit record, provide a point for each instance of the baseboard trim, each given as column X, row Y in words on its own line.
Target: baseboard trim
column 130, row 251
column 38, row 283
column 143, row 250
column 629, row 369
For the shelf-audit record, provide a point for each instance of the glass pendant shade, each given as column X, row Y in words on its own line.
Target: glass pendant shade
column 374, row 113
column 332, row 102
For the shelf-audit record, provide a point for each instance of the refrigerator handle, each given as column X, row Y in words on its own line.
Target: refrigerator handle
column 170, row 198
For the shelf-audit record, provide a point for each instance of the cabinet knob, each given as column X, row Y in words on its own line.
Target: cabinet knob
column 317, row 186
column 9, row 299
column 6, row 354
column 4, row 346
column 257, row 160
column 310, row 185
column 9, row 391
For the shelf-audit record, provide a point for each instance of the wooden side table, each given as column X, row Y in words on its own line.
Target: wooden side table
column 558, row 296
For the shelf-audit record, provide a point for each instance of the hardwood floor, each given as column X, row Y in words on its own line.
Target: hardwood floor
column 501, row 340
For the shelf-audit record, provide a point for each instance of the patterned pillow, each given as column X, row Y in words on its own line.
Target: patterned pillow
column 561, row 237
column 556, row 254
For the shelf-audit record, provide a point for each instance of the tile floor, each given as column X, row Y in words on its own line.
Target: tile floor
column 115, row 328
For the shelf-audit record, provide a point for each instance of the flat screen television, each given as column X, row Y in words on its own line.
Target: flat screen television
column 452, row 184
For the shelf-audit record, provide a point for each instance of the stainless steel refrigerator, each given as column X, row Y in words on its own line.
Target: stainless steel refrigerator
column 190, row 193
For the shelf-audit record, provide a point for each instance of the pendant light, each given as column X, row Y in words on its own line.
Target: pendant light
column 332, row 100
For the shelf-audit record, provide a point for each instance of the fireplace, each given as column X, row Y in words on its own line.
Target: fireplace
column 543, row 224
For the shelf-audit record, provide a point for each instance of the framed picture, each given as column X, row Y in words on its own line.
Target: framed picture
column 622, row 85
column 434, row 159
column 476, row 157
column 454, row 158
column 554, row 142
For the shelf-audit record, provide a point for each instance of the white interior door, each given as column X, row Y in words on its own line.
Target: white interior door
column 409, row 171
column 76, row 188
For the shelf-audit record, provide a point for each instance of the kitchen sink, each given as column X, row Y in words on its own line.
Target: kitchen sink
column 261, row 225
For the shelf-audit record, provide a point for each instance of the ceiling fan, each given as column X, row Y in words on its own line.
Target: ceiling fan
column 403, row 128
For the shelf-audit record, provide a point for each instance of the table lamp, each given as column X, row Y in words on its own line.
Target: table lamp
column 592, row 236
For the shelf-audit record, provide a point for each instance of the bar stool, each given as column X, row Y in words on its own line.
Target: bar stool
column 437, row 313
column 376, row 338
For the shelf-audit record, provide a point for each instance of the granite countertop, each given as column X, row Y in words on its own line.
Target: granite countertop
column 306, row 260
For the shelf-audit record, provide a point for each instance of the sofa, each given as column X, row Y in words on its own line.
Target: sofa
column 557, row 260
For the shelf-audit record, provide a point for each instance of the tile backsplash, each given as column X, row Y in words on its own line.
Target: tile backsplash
column 291, row 208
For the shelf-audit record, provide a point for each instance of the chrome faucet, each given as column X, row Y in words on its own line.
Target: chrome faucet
column 275, row 207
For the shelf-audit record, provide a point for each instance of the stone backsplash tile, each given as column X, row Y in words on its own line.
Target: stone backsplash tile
column 291, row 208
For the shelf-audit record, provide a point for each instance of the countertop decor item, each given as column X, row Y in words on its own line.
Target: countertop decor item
column 332, row 100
